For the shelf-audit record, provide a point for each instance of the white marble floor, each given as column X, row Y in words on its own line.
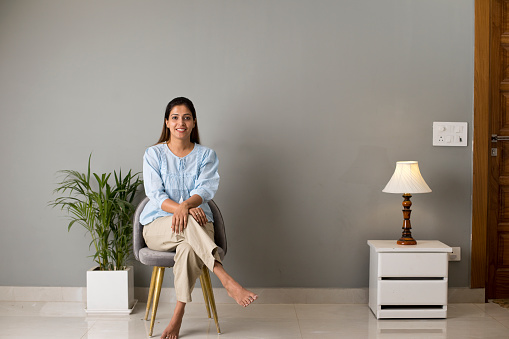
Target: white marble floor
column 68, row 320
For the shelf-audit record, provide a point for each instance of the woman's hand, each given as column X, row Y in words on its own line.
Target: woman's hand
column 181, row 212
column 179, row 220
column 198, row 215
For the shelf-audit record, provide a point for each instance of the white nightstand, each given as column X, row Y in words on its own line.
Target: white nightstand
column 408, row 281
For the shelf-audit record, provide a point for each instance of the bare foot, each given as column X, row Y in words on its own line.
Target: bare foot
column 242, row 296
column 173, row 328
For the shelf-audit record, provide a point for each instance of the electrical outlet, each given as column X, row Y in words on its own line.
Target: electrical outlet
column 455, row 255
column 450, row 133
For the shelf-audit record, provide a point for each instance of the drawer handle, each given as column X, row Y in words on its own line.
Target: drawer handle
column 412, row 278
column 406, row 307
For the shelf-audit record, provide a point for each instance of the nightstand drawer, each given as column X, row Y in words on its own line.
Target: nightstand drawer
column 413, row 265
column 412, row 292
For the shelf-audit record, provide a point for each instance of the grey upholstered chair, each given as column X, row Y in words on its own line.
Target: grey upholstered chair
column 161, row 260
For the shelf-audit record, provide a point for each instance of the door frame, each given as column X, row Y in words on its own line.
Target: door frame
column 481, row 145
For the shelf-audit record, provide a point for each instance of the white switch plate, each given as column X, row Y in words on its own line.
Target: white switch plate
column 455, row 255
column 450, row 133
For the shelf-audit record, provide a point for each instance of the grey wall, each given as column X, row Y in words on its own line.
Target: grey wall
column 308, row 104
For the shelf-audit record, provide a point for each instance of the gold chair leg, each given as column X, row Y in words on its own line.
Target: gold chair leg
column 157, row 291
column 151, row 291
column 210, row 292
column 205, row 296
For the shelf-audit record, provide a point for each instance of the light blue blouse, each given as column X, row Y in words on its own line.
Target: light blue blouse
column 167, row 176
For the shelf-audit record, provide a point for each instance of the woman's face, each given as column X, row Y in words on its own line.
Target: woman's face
column 180, row 122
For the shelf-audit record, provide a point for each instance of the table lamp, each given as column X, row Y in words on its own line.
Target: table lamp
column 407, row 179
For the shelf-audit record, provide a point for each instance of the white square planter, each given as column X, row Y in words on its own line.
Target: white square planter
column 110, row 291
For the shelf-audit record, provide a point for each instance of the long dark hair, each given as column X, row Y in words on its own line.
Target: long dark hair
column 165, row 134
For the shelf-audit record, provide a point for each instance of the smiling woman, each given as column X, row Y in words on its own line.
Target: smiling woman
column 181, row 176
column 178, row 107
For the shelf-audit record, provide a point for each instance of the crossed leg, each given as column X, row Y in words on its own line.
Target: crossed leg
column 242, row 296
column 193, row 249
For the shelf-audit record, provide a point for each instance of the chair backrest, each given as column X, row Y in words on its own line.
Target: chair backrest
column 139, row 242
column 219, row 230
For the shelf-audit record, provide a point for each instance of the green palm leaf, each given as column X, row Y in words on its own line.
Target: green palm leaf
column 104, row 210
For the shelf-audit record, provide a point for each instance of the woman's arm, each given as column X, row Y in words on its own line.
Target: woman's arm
column 152, row 181
column 208, row 180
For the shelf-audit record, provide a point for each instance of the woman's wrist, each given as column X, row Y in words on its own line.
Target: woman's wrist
column 192, row 202
column 185, row 204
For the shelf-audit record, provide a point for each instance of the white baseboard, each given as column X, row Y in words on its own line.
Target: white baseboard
column 266, row 295
column 38, row 293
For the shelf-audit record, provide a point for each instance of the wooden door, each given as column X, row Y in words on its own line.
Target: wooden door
column 497, row 282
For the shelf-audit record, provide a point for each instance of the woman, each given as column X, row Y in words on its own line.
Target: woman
column 180, row 177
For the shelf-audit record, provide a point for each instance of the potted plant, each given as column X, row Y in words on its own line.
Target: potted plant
column 105, row 211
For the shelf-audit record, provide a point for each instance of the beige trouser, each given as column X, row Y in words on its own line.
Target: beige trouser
column 194, row 247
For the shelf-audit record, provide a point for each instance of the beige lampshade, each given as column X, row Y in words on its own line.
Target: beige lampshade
column 407, row 179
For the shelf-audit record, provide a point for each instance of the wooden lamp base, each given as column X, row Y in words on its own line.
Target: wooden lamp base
column 406, row 236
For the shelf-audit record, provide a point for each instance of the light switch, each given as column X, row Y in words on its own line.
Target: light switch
column 450, row 133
